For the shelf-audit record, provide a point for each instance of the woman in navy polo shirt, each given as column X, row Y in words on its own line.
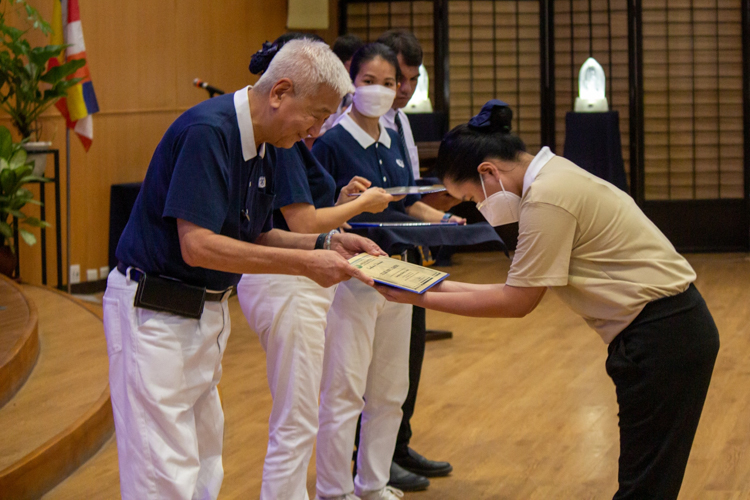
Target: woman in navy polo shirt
column 289, row 313
column 366, row 364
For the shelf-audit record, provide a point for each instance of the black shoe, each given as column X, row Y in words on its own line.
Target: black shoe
column 416, row 463
column 405, row 480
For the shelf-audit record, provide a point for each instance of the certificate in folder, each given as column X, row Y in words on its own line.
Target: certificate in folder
column 397, row 273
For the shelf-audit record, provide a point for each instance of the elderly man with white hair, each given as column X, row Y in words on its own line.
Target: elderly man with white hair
column 202, row 219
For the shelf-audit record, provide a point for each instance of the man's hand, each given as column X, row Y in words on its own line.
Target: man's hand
column 348, row 245
column 326, row 268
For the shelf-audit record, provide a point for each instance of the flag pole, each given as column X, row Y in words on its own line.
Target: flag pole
column 67, row 203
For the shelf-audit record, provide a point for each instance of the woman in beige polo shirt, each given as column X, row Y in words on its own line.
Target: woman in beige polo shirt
column 589, row 243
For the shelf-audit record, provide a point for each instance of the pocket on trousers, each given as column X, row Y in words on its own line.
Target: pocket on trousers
column 112, row 327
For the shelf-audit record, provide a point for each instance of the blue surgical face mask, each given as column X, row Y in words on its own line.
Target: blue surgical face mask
column 501, row 208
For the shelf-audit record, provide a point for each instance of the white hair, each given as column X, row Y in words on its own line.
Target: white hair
column 308, row 64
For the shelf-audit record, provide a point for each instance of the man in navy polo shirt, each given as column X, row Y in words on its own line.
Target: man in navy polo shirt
column 203, row 218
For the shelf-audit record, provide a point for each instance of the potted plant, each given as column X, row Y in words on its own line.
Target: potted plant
column 15, row 172
column 29, row 85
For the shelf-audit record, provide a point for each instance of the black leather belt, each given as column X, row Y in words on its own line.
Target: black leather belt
column 136, row 275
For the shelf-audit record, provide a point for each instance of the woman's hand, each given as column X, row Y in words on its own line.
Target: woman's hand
column 375, row 200
column 459, row 220
column 356, row 185
column 393, row 294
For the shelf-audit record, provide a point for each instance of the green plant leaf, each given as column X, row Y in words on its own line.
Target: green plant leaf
column 58, row 73
column 33, row 178
column 6, row 142
column 18, row 159
column 7, row 180
column 4, row 164
column 35, row 222
column 6, row 230
column 29, row 238
column 40, row 55
column 18, row 214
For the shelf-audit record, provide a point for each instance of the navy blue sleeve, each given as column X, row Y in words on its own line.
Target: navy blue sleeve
column 199, row 187
column 323, row 153
column 290, row 179
column 326, row 156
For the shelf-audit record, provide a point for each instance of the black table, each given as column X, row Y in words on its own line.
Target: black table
column 592, row 141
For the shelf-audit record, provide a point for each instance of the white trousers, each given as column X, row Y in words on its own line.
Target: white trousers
column 289, row 315
column 366, row 356
column 163, row 372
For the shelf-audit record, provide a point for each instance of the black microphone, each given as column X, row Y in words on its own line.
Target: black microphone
column 204, row 85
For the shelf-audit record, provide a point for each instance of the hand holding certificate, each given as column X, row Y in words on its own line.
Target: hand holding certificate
column 396, row 273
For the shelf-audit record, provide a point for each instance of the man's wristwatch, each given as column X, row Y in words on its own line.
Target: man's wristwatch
column 329, row 237
column 446, row 217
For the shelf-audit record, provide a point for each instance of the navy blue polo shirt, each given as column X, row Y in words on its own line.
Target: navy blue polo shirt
column 300, row 178
column 346, row 150
column 205, row 170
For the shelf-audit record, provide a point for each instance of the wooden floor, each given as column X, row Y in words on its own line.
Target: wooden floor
column 523, row 409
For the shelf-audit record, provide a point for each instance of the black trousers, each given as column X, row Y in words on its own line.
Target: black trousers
column 416, row 357
column 661, row 365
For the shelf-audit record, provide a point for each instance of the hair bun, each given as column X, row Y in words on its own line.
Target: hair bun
column 262, row 59
column 495, row 116
column 501, row 119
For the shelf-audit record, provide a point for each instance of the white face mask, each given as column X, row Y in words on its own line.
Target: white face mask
column 373, row 100
column 501, row 208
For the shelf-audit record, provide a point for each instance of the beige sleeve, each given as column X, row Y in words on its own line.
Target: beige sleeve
column 545, row 241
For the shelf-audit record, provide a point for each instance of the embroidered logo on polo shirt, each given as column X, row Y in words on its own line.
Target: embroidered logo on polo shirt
column 400, row 162
column 261, row 182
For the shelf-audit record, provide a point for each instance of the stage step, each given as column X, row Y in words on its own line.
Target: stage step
column 62, row 415
column 19, row 340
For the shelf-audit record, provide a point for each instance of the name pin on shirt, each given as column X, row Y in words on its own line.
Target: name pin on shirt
column 261, row 182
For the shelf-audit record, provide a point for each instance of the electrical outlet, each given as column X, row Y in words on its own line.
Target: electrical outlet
column 75, row 274
column 92, row 275
column 103, row 272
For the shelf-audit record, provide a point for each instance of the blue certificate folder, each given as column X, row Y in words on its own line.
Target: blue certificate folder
column 400, row 224
column 403, row 190
column 397, row 273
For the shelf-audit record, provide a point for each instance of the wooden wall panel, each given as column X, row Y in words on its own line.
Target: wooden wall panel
column 494, row 53
column 369, row 20
column 692, row 73
column 143, row 57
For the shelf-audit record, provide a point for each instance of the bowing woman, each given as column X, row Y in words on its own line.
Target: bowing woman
column 289, row 312
column 589, row 243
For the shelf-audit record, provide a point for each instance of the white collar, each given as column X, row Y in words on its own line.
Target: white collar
column 390, row 117
column 363, row 138
column 542, row 157
column 245, row 122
